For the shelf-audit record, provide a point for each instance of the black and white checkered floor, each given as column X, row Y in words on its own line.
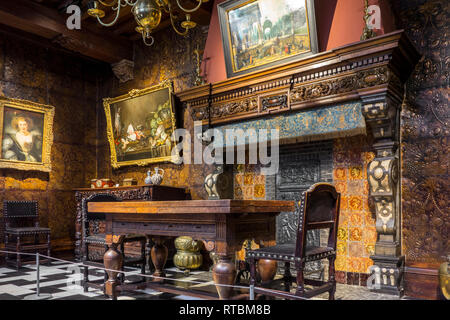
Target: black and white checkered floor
column 63, row 282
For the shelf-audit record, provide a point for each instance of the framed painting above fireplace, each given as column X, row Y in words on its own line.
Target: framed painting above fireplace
column 258, row 34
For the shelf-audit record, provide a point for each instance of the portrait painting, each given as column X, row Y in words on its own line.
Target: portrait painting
column 259, row 34
column 26, row 135
column 140, row 126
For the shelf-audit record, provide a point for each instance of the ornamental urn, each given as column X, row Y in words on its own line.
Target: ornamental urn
column 188, row 254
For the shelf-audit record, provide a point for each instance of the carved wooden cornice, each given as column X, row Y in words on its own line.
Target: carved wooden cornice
column 347, row 73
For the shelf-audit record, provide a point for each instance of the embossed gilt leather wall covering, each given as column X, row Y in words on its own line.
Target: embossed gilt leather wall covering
column 69, row 83
column 172, row 58
column 425, row 145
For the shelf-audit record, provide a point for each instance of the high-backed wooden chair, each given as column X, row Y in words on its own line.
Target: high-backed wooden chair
column 22, row 231
column 319, row 209
column 93, row 236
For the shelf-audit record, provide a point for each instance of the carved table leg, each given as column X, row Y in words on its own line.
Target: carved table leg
column 159, row 255
column 224, row 272
column 112, row 260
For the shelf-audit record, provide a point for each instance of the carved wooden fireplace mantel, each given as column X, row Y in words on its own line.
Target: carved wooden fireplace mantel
column 372, row 73
column 349, row 73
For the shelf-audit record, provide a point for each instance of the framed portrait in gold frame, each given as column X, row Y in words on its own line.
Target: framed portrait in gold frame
column 26, row 133
column 259, row 34
column 140, row 126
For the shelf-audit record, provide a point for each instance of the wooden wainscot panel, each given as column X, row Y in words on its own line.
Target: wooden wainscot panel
column 339, row 75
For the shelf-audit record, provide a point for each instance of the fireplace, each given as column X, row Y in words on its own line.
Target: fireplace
column 301, row 165
column 342, row 94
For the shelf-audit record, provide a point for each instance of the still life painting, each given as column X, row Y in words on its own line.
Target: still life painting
column 140, row 126
column 262, row 33
column 26, row 135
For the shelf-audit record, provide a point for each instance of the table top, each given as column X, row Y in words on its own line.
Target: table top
column 193, row 206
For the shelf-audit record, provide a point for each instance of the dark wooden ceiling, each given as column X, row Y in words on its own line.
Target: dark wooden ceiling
column 47, row 19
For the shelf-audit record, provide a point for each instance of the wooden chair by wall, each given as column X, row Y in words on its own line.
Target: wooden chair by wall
column 23, row 233
column 319, row 209
column 98, row 239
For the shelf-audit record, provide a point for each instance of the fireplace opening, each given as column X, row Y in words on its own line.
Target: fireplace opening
column 301, row 165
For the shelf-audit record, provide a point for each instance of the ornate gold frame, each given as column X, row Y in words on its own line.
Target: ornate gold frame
column 107, row 102
column 47, row 136
column 224, row 11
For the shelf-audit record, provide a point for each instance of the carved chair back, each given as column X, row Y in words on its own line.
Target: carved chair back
column 319, row 209
column 20, row 214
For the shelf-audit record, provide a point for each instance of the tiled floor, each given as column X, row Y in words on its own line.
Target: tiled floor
column 62, row 281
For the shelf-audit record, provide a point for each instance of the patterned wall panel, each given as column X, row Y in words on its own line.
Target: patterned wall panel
column 69, row 84
column 425, row 134
column 356, row 233
column 171, row 58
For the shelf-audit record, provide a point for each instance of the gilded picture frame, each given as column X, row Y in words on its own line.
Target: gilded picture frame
column 259, row 34
column 140, row 126
column 26, row 133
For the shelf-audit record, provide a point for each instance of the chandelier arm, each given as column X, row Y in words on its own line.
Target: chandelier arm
column 144, row 38
column 113, row 2
column 115, row 19
column 165, row 6
column 189, row 10
column 175, row 28
column 130, row 3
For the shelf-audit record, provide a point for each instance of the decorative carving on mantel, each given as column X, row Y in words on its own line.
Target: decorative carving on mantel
column 123, row 70
column 343, row 74
column 360, row 80
column 226, row 109
column 280, row 101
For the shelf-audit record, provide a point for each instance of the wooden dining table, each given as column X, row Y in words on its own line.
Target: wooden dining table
column 222, row 225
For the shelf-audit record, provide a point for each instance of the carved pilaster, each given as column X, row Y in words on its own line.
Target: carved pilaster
column 381, row 112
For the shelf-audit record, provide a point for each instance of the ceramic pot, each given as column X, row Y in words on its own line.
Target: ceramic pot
column 148, row 178
column 157, row 177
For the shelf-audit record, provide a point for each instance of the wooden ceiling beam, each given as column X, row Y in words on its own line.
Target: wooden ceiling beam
column 42, row 21
column 126, row 27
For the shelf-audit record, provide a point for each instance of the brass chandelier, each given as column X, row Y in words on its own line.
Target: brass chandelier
column 147, row 14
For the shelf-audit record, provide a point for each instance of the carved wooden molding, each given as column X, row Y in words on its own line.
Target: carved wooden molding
column 377, row 65
column 123, row 70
